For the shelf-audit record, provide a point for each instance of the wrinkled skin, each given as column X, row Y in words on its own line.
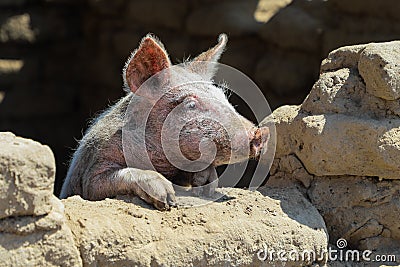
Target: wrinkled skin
column 193, row 114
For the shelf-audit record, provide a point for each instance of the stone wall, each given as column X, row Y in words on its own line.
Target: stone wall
column 341, row 146
column 37, row 229
column 33, row 228
column 60, row 61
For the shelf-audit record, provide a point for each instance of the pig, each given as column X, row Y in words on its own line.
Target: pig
column 99, row 169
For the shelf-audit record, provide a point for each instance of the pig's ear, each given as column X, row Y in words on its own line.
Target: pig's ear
column 204, row 63
column 144, row 62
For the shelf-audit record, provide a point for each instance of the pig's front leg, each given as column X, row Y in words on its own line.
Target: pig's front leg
column 205, row 181
column 149, row 185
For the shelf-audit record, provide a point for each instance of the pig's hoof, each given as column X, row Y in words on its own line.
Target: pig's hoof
column 155, row 189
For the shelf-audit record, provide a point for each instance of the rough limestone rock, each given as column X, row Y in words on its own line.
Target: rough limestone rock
column 341, row 116
column 236, row 230
column 229, row 232
column 33, row 231
column 341, row 147
column 375, row 209
column 380, row 68
column 43, row 240
column 27, row 172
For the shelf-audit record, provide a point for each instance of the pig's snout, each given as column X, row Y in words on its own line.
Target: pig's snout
column 258, row 140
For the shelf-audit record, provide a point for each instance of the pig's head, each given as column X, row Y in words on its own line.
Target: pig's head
column 190, row 116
